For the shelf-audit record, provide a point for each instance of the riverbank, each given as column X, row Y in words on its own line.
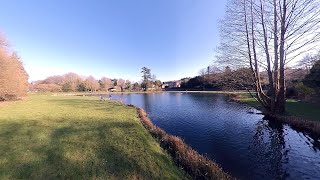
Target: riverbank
column 198, row 166
column 300, row 115
column 232, row 134
column 75, row 137
column 101, row 92
column 138, row 92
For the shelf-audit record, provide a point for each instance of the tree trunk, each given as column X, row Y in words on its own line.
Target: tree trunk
column 281, row 101
column 261, row 95
column 271, row 99
column 276, row 59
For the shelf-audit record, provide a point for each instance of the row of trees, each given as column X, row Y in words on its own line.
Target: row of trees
column 214, row 78
column 13, row 77
column 302, row 82
column 72, row 82
column 267, row 35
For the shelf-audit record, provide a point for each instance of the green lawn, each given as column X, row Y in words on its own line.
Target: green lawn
column 59, row 137
column 304, row 110
column 300, row 109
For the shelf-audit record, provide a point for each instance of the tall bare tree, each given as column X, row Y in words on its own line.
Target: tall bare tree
column 146, row 76
column 105, row 83
column 91, row 84
column 266, row 35
column 71, row 81
column 122, row 84
column 308, row 61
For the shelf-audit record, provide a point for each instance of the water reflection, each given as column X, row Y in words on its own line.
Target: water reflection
column 269, row 139
column 241, row 141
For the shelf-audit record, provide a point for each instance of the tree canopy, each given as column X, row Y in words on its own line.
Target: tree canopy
column 313, row 78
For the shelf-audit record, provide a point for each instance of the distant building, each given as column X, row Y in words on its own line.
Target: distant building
column 164, row 85
column 185, row 80
column 115, row 89
column 171, row 84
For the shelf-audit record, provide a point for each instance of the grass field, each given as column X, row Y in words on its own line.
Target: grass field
column 300, row 109
column 65, row 137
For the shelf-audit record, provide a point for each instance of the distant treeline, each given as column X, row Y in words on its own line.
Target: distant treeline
column 302, row 82
column 72, row 82
column 216, row 79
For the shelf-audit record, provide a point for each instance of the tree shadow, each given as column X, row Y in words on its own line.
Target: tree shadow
column 92, row 150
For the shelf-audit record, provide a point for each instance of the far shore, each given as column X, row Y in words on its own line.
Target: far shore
column 145, row 92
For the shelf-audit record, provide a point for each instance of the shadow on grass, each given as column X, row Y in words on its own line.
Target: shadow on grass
column 92, row 150
column 304, row 110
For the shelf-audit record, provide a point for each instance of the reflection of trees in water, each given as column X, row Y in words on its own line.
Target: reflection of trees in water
column 278, row 149
column 128, row 98
column 146, row 104
column 207, row 100
column 269, row 146
column 312, row 140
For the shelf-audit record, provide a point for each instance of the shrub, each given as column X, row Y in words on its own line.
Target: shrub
column 291, row 92
column 304, row 92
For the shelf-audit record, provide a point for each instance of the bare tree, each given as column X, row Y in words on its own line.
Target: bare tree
column 13, row 77
column 128, row 85
column 91, row 84
column 267, row 35
column 71, row 81
column 308, row 61
column 105, row 83
column 122, row 84
column 136, row 87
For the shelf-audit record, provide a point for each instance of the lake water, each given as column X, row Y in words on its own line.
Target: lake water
column 234, row 135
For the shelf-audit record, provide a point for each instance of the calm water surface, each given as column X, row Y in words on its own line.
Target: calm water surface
column 232, row 134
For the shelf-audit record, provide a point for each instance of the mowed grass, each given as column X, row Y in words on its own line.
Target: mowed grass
column 60, row 137
column 303, row 110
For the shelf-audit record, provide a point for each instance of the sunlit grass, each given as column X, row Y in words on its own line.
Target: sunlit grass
column 59, row 137
column 300, row 109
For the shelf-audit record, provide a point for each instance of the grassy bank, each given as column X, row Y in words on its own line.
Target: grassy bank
column 103, row 92
column 208, row 92
column 300, row 115
column 65, row 137
column 295, row 108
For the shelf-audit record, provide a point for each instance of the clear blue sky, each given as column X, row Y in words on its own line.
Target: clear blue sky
column 113, row 38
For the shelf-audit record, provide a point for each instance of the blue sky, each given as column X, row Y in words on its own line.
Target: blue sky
column 113, row 38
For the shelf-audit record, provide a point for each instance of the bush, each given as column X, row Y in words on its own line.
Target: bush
column 292, row 92
column 304, row 92
column 312, row 79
